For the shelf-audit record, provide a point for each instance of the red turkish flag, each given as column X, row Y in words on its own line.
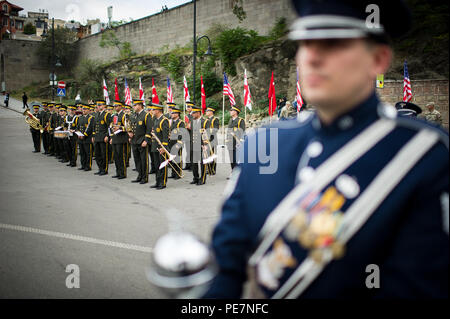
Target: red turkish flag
column 155, row 98
column 203, row 96
column 272, row 97
column 116, row 91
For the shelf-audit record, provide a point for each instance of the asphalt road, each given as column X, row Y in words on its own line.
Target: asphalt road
column 52, row 216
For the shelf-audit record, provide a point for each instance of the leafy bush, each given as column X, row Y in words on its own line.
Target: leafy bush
column 29, row 29
column 64, row 49
column 172, row 63
column 234, row 43
column 279, row 29
column 90, row 76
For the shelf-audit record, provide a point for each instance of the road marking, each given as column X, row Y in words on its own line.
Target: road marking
column 76, row 237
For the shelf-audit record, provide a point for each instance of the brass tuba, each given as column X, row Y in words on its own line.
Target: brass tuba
column 33, row 121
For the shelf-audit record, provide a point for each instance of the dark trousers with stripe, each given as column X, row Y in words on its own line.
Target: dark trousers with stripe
column 120, row 154
column 36, row 135
column 199, row 178
column 101, row 156
column 86, row 155
column 45, row 141
column 128, row 154
column 178, row 160
column 73, row 150
column 161, row 174
column 67, row 149
column 140, row 155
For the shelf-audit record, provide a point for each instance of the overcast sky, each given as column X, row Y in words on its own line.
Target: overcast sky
column 81, row 10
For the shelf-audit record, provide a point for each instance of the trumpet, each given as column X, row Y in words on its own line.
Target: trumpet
column 33, row 121
column 177, row 167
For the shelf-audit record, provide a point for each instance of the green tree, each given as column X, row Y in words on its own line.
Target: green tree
column 109, row 39
column 65, row 49
column 234, row 43
column 29, row 29
column 90, row 75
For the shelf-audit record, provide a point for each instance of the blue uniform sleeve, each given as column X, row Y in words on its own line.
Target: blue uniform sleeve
column 417, row 263
column 231, row 244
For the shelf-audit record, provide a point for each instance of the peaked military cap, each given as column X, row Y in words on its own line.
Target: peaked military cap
column 190, row 104
column 211, row 108
column 195, row 108
column 327, row 19
column 235, row 108
column 407, row 108
column 63, row 107
column 138, row 102
column 117, row 102
column 36, row 106
column 71, row 107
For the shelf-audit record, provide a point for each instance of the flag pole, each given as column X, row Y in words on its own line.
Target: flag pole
column 223, row 118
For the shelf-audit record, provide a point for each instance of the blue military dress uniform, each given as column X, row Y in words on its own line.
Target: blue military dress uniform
column 406, row 236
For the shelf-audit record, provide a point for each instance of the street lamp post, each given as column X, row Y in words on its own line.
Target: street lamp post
column 53, row 63
column 208, row 52
column 53, row 59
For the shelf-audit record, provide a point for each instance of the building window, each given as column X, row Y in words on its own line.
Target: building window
column 5, row 21
column 19, row 25
column 5, row 8
column 12, row 23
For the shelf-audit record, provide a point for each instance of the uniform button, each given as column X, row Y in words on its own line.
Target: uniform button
column 314, row 149
column 306, row 174
column 345, row 123
column 347, row 186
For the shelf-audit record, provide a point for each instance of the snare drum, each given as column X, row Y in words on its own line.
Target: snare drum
column 61, row 134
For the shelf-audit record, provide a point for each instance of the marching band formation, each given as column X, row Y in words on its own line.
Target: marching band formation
column 114, row 133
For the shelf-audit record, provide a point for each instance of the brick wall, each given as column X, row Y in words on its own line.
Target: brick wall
column 423, row 91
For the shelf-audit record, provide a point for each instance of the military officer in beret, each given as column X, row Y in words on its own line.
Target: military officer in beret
column 354, row 192
column 198, row 145
column 119, row 139
column 100, row 138
column 36, row 134
column 86, row 123
column 236, row 133
column 213, row 129
column 140, row 139
column 160, row 141
column 177, row 128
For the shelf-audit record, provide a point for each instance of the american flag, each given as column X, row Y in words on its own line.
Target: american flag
column 141, row 91
column 105, row 92
column 299, row 95
column 169, row 92
column 227, row 89
column 407, row 94
column 128, row 99
column 155, row 98
column 247, row 95
column 186, row 90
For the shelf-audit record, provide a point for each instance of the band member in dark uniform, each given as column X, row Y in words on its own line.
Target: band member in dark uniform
column 86, row 124
column 36, row 134
column 176, row 140
column 140, row 139
column 119, row 138
column 160, row 140
column 101, row 139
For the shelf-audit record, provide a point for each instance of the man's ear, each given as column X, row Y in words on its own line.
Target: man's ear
column 383, row 56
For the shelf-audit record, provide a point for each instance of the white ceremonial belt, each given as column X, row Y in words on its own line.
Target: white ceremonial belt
column 360, row 211
column 324, row 174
